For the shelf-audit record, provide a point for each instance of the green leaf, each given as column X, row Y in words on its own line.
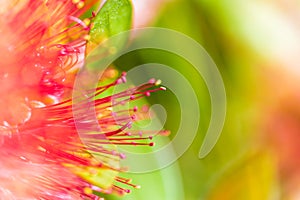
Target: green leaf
column 114, row 17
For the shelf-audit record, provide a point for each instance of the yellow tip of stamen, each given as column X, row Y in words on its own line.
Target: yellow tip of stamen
column 87, row 37
column 137, row 187
column 99, row 116
column 158, row 82
column 41, row 149
column 80, row 5
column 88, row 190
column 87, row 21
column 75, row 1
column 163, row 88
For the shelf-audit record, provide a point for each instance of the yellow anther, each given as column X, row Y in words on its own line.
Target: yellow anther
column 158, row 82
column 137, row 187
column 163, row 88
column 88, row 190
column 75, row 1
column 99, row 116
column 87, row 21
column 80, row 5
column 87, row 37
column 41, row 149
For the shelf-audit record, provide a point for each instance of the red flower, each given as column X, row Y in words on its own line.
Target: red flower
column 42, row 157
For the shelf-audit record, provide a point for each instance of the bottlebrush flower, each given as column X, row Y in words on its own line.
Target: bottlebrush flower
column 42, row 157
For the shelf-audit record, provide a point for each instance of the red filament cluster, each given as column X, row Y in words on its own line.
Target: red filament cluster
column 42, row 154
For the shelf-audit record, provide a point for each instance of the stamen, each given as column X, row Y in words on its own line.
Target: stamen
column 79, row 21
column 80, row 5
column 49, row 41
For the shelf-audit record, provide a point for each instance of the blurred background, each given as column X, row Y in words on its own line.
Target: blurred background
column 256, row 46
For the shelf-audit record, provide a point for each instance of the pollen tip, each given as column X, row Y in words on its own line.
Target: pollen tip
column 128, row 133
column 75, row 1
column 165, row 132
column 87, row 21
column 41, row 149
column 133, row 117
column 118, row 81
column 137, row 187
column 80, row 5
column 152, row 81
column 87, row 37
column 140, row 133
column 163, row 88
column 88, row 190
column 151, row 144
column 122, row 156
column 158, row 82
column 127, row 191
column 122, row 79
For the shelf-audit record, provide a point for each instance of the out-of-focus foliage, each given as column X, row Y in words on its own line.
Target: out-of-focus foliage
column 243, row 165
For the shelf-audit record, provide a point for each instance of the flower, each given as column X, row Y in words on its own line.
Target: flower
column 42, row 155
